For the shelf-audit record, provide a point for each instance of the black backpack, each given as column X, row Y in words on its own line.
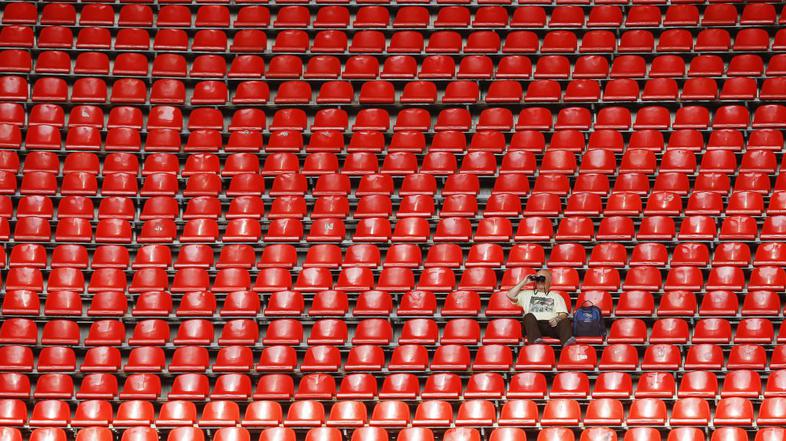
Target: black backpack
column 588, row 321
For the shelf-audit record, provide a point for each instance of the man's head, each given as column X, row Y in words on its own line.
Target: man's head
column 543, row 281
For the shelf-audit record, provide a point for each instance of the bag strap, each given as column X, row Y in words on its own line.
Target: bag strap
column 585, row 302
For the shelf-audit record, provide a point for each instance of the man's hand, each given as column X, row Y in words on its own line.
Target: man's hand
column 555, row 321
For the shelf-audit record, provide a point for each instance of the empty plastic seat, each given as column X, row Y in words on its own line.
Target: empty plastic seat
column 655, row 385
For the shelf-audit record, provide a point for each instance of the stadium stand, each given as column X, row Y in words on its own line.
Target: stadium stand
column 297, row 219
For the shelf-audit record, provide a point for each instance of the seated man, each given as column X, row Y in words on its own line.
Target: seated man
column 545, row 312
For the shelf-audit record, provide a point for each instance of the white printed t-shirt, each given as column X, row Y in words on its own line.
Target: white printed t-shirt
column 542, row 306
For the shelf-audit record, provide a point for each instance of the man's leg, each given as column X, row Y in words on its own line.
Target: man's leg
column 531, row 328
column 565, row 331
column 562, row 331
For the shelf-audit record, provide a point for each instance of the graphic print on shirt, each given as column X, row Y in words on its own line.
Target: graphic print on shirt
column 541, row 305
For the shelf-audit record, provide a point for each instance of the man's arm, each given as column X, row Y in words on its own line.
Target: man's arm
column 562, row 313
column 513, row 293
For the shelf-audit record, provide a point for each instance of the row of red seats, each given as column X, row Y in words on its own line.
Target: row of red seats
column 703, row 207
column 659, row 203
column 402, row 386
column 410, row 229
column 676, row 15
column 447, row 255
column 160, row 171
column 544, row 3
column 409, row 136
column 323, row 148
column 738, row 412
column 400, row 255
column 530, row 119
column 410, row 434
column 535, row 227
column 380, row 303
column 285, row 170
column 289, row 178
column 376, row 331
column 288, row 332
column 365, row 67
column 408, row 42
column 134, row 91
column 357, row 277
column 392, row 278
column 501, row 203
column 286, row 166
column 409, row 357
column 625, row 195
column 244, row 221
